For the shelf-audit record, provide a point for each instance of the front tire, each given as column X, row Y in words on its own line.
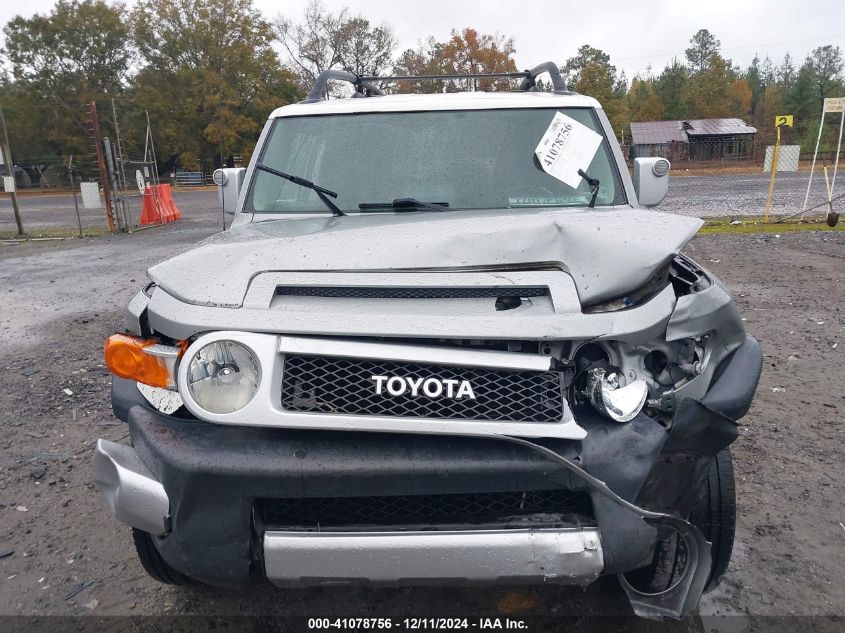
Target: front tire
column 714, row 513
column 154, row 564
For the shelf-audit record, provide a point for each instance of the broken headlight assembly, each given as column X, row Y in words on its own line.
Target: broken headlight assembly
column 619, row 379
column 620, row 404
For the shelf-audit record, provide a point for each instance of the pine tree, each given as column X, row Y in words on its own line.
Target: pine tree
column 671, row 88
column 704, row 45
column 707, row 92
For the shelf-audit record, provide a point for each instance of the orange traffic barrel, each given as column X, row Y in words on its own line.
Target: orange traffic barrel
column 150, row 213
column 171, row 213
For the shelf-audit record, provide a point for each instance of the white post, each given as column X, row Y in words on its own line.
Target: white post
column 836, row 161
column 813, row 166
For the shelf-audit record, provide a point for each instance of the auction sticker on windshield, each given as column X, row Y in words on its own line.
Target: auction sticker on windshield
column 566, row 147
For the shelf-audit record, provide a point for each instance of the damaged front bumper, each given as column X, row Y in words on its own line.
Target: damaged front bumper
column 570, row 555
column 640, row 480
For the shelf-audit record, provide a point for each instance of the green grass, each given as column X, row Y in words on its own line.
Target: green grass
column 53, row 233
column 757, row 224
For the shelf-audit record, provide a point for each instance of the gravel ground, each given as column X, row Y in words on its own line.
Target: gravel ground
column 721, row 195
column 70, row 557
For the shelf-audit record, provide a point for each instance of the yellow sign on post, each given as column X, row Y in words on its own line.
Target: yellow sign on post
column 781, row 120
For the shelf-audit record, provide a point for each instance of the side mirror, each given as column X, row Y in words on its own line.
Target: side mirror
column 229, row 182
column 651, row 180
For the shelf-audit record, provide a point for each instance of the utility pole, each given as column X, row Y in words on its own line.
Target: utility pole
column 10, row 171
column 101, row 161
column 119, row 213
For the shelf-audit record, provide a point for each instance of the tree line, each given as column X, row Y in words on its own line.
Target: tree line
column 208, row 73
column 706, row 85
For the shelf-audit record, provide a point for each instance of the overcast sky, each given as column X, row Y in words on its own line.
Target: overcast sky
column 636, row 34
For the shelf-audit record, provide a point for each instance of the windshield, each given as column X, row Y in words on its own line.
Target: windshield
column 475, row 159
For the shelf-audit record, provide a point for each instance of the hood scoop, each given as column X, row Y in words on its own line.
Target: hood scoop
column 387, row 292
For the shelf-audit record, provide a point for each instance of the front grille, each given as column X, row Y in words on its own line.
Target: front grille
column 317, row 384
column 364, row 292
column 486, row 507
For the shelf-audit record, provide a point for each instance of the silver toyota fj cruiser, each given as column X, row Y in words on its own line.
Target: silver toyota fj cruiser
column 443, row 341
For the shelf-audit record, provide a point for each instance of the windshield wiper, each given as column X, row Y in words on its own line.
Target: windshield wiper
column 594, row 186
column 405, row 203
column 322, row 192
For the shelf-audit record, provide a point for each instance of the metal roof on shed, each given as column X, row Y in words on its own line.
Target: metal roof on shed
column 716, row 127
column 657, row 132
column 661, row 132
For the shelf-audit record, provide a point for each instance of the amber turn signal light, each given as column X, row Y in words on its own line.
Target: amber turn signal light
column 143, row 360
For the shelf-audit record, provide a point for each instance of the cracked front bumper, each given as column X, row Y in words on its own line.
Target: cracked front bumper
column 214, row 475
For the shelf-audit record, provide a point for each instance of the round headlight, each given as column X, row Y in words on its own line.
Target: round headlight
column 223, row 377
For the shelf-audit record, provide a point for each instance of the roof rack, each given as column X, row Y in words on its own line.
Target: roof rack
column 365, row 84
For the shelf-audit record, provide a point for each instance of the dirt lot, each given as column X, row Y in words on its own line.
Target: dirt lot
column 61, row 552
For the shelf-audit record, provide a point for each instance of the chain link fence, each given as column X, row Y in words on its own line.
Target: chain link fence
column 93, row 184
column 728, row 178
column 63, row 194
column 42, row 187
column 58, row 188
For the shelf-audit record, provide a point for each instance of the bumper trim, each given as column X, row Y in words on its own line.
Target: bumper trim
column 132, row 493
column 565, row 556
column 442, row 356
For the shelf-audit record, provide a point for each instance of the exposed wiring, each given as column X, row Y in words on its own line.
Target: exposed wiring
column 684, row 595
